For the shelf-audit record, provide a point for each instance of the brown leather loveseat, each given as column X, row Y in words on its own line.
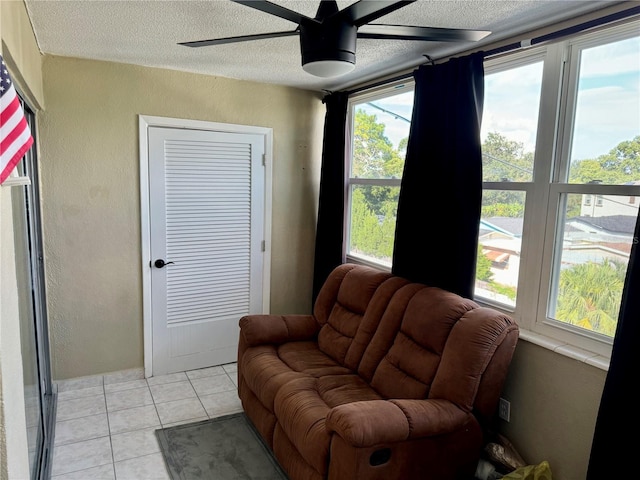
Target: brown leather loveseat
column 386, row 380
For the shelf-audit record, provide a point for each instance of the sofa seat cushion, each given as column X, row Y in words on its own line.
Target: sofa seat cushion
column 264, row 372
column 308, row 358
column 267, row 367
column 302, row 405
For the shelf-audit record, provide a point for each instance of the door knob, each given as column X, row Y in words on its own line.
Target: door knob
column 161, row 263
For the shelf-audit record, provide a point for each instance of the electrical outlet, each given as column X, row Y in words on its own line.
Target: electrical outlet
column 504, row 409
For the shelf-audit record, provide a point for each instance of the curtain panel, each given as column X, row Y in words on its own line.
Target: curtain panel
column 440, row 198
column 612, row 452
column 330, row 224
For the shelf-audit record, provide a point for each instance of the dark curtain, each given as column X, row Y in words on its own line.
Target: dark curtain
column 441, row 192
column 330, row 226
column 612, row 452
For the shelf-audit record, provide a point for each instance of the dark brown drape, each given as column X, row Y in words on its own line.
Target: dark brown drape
column 440, row 198
column 330, row 225
column 614, row 446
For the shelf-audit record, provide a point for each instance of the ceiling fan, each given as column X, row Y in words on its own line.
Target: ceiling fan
column 328, row 41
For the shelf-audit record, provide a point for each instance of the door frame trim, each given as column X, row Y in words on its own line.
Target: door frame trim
column 144, row 123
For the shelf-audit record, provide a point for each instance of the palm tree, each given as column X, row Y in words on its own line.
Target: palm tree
column 589, row 295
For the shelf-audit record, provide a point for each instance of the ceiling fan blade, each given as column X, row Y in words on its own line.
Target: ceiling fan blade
column 432, row 34
column 276, row 10
column 242, row 38
column 366, row 11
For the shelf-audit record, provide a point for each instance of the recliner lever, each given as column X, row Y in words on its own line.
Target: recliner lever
column 380, row 457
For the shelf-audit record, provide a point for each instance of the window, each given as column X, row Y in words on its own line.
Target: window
column 561, row 157
column 508, row 135
column 561, row 170
column 380, row 129
column 38, row 390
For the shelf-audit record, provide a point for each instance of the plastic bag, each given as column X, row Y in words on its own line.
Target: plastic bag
column 542, row 471
column 504, row 455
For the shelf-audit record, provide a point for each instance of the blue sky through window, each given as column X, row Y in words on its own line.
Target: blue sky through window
column 608, row 110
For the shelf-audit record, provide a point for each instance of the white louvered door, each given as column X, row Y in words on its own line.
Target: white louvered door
column 206, row 216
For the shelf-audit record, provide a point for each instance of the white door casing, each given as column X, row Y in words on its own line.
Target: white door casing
column 205, row 198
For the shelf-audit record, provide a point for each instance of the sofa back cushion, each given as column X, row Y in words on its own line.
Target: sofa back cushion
column 405, row 352
column 328, row 294
column 341, row 306
column 477, row 355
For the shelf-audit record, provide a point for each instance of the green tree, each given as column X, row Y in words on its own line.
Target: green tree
column 375, row 157
column 620, row 165
column 373, row 211
column 589, row 295
column 504, row 160
column 402, row 146
column 483, row 266
column 371, row 234
column 373, row 153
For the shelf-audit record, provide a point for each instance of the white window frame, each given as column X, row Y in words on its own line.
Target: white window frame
column 544, row 207
column 384, row 91
column 581, row 343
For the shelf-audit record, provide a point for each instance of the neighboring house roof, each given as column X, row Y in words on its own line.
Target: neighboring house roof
column 624, row 224
column 611, row 223
column 508, row 225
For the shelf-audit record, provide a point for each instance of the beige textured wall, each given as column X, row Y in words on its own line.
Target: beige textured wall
column 554, row 404
column 90, row 176
column 21, row 52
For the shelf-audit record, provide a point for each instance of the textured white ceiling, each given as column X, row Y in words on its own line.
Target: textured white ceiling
column 147, row 32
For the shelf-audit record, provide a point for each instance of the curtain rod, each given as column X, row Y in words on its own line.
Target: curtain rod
column 523, row 44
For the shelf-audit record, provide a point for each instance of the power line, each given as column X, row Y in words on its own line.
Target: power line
column 517, row 167
column 397, row 116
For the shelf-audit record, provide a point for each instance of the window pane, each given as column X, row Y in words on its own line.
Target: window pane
column 373, row 222
column 30, row 371
column 381, row 131
column 499, row 243
column 606, row 134
column 509, row 123
column 593, row 262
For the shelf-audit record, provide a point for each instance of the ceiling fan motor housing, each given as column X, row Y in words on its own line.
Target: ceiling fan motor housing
column 328, row 41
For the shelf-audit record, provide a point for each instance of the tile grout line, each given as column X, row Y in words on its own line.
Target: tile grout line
column 155, row 406
column 107, row 412
column 162, row 424
column 198, row 397
column 113, row 460
column 160, row 421
column 104, row 398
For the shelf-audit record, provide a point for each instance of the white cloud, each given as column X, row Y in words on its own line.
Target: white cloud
column 605, row 116
column 611, row 59
column 608, row 111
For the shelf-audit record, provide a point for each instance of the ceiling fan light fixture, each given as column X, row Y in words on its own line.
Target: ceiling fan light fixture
column 328, row 49
column 328, row 68
column 328, row 41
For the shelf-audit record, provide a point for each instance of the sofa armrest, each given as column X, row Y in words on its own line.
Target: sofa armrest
column 276, row 329
column 368, row 423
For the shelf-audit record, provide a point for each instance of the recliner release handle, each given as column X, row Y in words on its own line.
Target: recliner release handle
column 380, row 457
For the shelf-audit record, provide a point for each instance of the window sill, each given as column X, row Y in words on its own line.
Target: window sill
column 15, row 181
column 565, row 349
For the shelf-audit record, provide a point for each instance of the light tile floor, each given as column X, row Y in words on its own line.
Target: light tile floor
column 105, row 424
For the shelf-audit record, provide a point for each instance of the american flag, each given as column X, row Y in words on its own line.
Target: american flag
column 15, row 135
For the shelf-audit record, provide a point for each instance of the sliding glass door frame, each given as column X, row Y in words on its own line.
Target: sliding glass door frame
column 35, row 294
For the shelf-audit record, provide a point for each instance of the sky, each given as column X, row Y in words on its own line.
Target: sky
column 607, row 108
column 395, row 128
